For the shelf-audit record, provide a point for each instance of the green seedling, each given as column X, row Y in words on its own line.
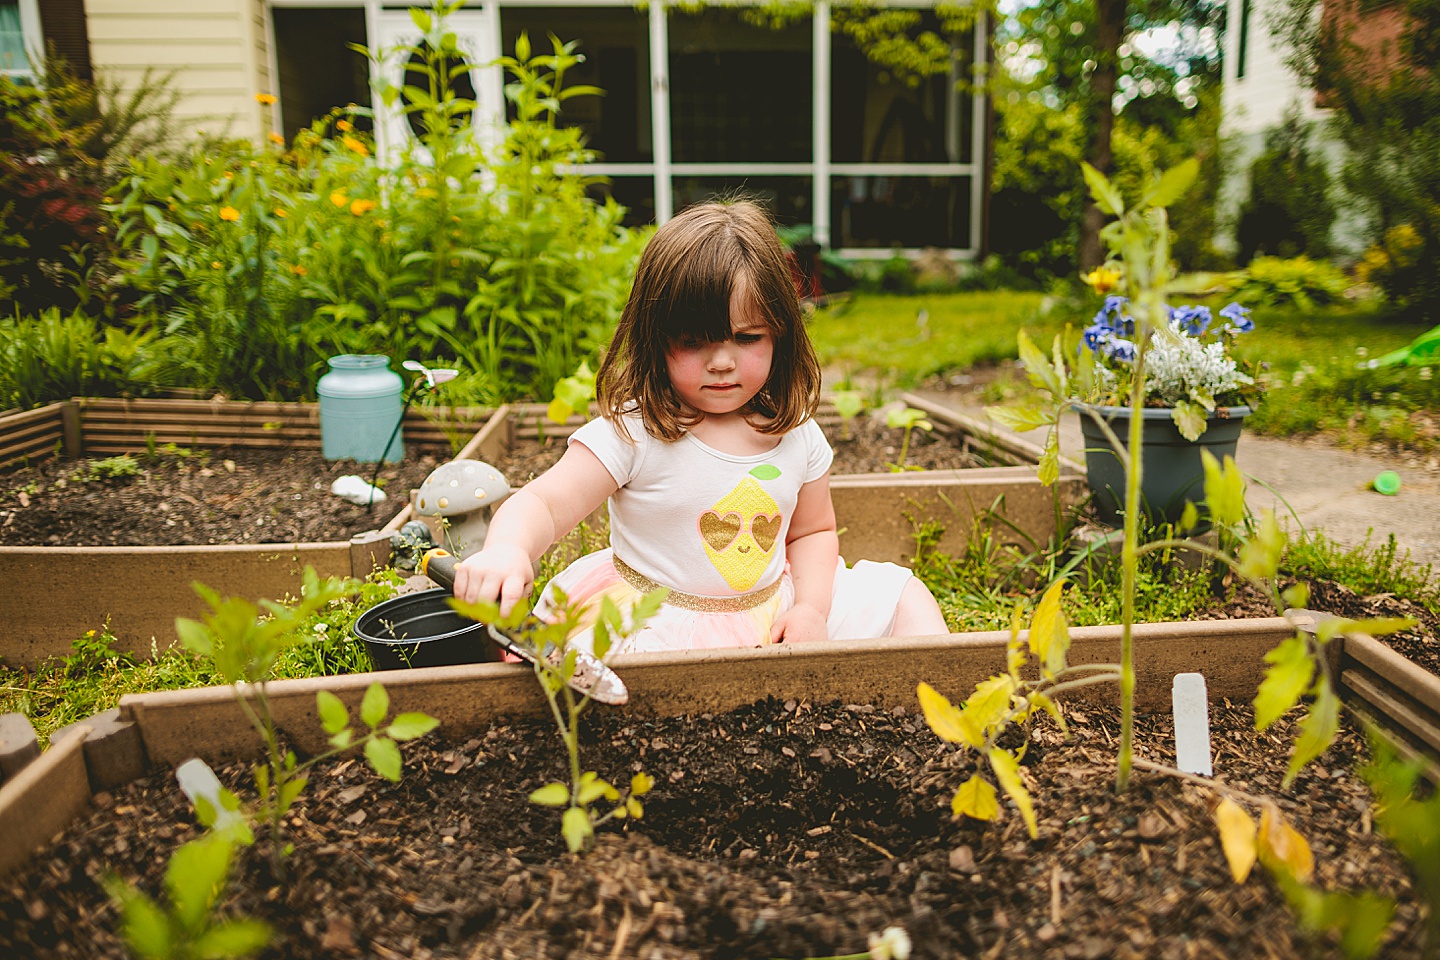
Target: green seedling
column 1010, row 698
column 553, row 671
column 110, row 468
column 849, row 404
column 244, row 641
column 572, row 394
column 908, row 419
column 186, row 928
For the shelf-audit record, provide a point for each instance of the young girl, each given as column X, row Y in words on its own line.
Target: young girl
column 716, row 475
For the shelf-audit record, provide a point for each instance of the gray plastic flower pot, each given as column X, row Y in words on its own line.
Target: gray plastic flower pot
column 1171, row 470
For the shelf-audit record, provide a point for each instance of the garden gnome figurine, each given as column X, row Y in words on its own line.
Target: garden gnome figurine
column 462, row 495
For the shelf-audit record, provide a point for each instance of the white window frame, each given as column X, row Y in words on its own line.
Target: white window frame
column 820, row 169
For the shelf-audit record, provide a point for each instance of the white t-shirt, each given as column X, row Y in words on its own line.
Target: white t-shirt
column 696, row 519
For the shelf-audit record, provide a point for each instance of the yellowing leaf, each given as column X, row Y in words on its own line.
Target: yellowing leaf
column 944, row 718
column 1317, row 731
column 1237, row 838
column 1224, row 489
column 1282, row 849
column 975, row 799
column 1022, row 419
column 987, row 707
column 1288, row 676
column 1049, row 634
column 1260, row 557
column 1007, row 770
column 1037, row 366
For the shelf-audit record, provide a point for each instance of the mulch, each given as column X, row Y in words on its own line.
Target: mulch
column 777, row 830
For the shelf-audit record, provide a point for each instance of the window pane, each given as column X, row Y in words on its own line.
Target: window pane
column 615, row 42
column 900, row 211
column 877, row 117
column 739, row 92
column 12, row 37
column 635, row 194
column 318, row 72
column 787, row 198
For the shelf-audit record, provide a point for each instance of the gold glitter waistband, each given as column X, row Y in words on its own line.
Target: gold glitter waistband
column 692, row 601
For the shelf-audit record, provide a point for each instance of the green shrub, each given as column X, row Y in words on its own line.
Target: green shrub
column 1299, row 282
column 56, row 356
column 1289, row 211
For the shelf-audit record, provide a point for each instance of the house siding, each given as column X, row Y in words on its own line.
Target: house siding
column 214, row 48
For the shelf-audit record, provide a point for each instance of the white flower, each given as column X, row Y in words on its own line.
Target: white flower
column 321, row 627
column 1179, row 367
column 893, row 944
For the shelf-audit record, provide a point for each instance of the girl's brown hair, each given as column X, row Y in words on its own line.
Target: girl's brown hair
column 682, row 291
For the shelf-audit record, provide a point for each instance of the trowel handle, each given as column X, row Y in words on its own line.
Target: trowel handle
column 439, row 565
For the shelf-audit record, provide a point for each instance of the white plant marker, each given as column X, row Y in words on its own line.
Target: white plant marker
column 1192, row 723
column 198, row 780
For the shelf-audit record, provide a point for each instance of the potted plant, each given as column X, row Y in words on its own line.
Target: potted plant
column 1174, row 368
column 1196, row 398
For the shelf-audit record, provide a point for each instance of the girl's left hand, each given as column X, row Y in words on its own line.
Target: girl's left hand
column 802, row 623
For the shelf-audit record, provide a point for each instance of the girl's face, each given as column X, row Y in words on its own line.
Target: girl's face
column 722, row 378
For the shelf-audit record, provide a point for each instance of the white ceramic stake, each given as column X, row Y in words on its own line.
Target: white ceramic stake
column 1192, row 723
column 198, row 780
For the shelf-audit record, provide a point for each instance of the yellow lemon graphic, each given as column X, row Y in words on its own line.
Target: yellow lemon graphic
column 740, row 531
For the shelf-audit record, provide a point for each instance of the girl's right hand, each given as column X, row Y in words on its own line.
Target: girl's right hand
column 500, row 573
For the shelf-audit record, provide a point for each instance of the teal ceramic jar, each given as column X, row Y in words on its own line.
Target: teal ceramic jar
column 359, row 407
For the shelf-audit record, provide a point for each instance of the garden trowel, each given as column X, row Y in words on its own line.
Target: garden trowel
column 591, row 677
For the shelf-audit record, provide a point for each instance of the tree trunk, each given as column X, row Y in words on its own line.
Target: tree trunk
column 1110, row 30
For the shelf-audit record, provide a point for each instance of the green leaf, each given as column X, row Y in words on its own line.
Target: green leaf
column 1106, row 197
column 592, row 788
column 1317, row 731
column 409, row 726
column 1190, row 419
column 1047, row 470
column 384, row 757
column 233, row 938
column 375, row 705
column 988, row 707
column 342, row 739
column 558, row 411
column 144, row 925
column 194, row 636
column 333, row 715
column 765, row 471
column 975, row 799
column 194, row 877
column 1296, row 596
column 289, row 790
column 1049, row 633
column 1022, row 419
column 552, row 795
column 576, row 828
column 1189, row 516
column 1037, row 366
column 1260, row 557
column 1224, row 489
column 1007, row 770
column 1289, row 675
column 1172, row 184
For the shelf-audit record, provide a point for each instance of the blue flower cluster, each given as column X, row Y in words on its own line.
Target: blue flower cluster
column 1110, row 331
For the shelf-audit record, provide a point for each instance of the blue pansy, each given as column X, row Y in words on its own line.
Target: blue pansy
column 1239, row 318
column 1193, row 320
column 1122, row 350
column 1096, row 334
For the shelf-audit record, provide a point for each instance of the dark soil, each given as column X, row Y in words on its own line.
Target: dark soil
column 240, row 495
column 778, row 830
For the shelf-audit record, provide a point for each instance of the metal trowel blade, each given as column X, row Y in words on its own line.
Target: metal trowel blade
column 591, row 677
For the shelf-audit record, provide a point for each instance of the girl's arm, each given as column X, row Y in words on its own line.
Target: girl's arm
column 526, row 524
column 813, row 547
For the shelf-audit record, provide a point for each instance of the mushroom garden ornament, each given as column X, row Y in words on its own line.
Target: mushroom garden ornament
column 462, row 494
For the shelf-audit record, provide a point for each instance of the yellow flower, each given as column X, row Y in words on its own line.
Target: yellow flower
column 1103, row 279
column 265, row 99
column 344, row 126
column 355, row 145
column 339, row 199
column 277, row 139
column 362, row 207
column 214, row 264
column 229, row 213
column 298, row 270
column 280, row 212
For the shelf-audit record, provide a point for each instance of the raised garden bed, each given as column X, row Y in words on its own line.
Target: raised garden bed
column 140, row 589
column 792, row 826
column 975, row 477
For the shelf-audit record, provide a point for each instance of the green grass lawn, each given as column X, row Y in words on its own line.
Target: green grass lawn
column 1311, row 361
